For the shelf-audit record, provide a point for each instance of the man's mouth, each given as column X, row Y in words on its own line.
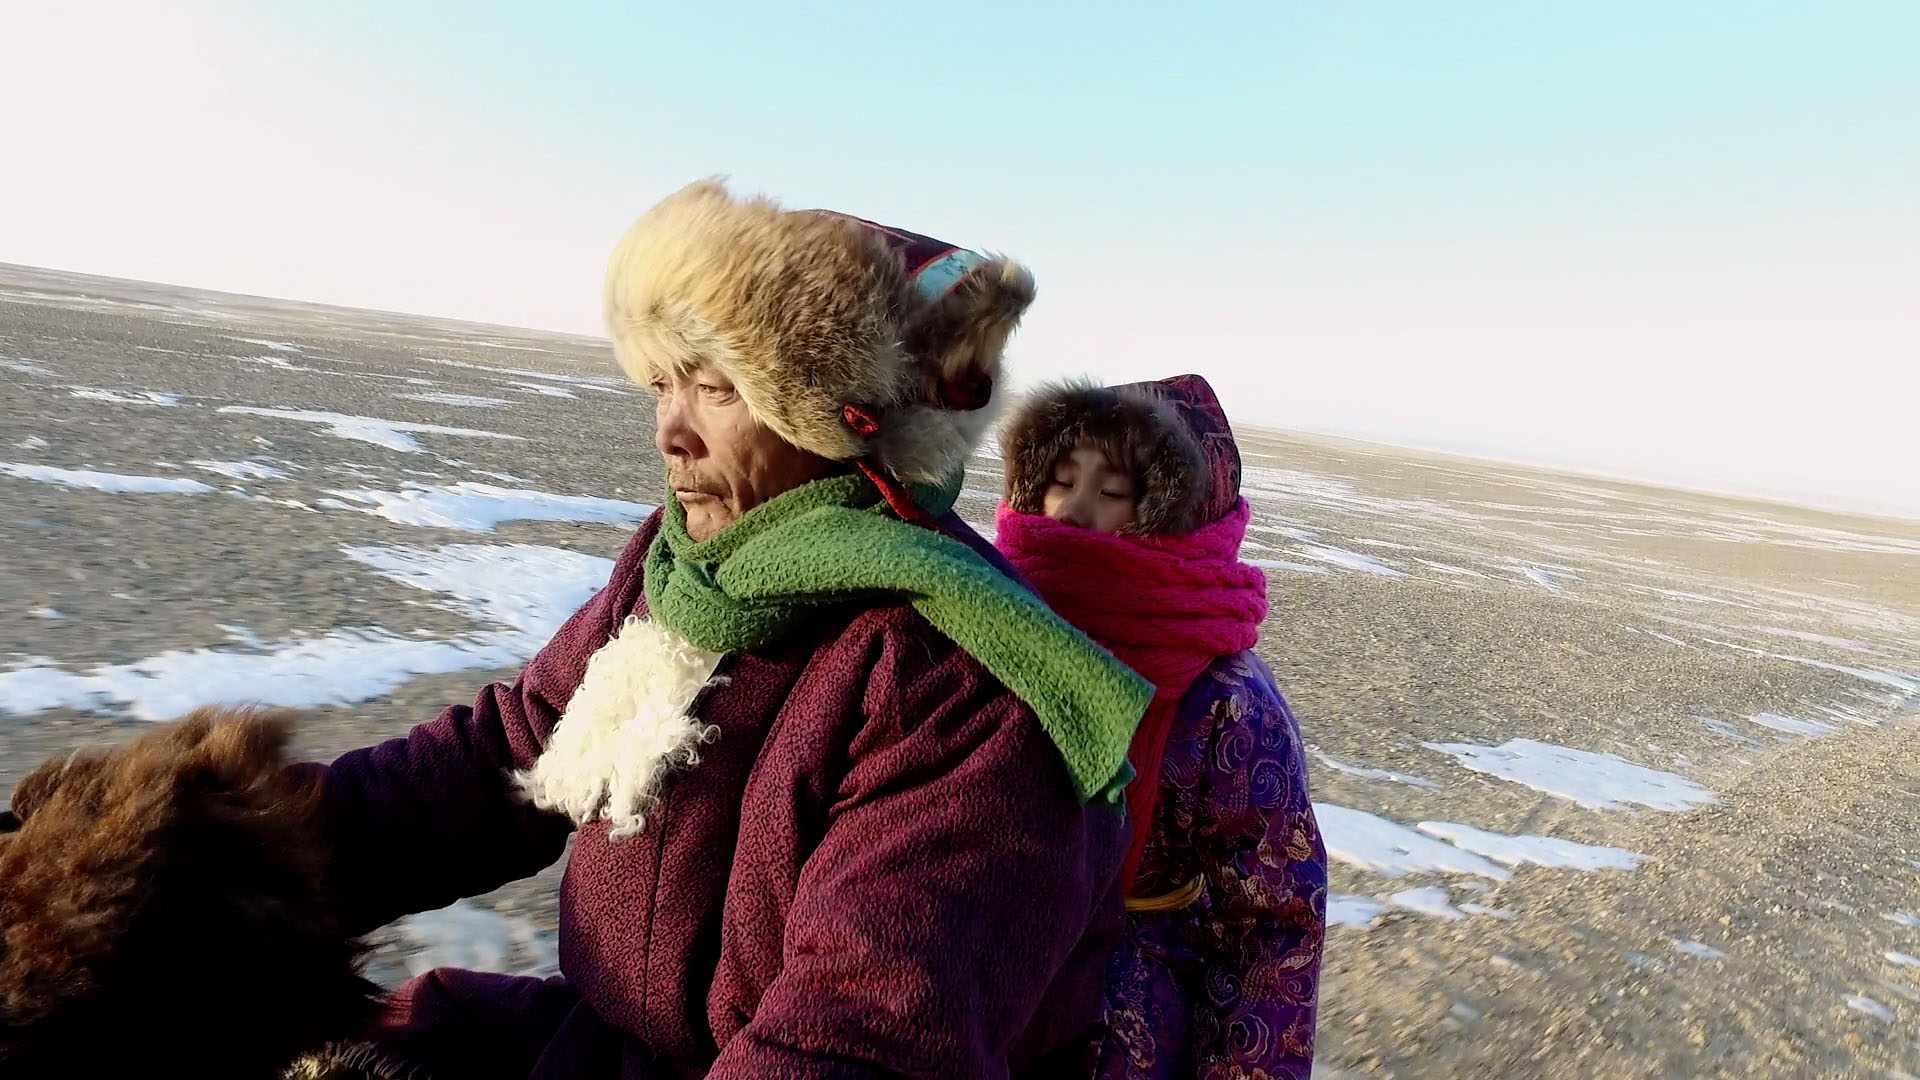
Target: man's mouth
column 684, row 492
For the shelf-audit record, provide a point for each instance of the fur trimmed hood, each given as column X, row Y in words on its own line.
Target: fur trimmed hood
column 846, row 338
column 1186, row 466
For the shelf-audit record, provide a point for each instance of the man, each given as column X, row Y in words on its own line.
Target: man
column 844, row 792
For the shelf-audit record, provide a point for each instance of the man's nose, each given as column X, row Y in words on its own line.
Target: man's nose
column 673, row 432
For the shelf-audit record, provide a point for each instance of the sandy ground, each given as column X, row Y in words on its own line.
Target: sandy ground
column 1764, row 660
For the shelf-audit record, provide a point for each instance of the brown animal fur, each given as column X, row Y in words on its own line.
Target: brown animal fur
column 162, row 908
column 1136, row 428
column 808, row 312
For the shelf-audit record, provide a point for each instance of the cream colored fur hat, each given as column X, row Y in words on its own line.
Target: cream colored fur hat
column 848, row 339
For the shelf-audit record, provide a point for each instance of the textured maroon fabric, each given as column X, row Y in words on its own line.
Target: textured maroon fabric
column 878, row 869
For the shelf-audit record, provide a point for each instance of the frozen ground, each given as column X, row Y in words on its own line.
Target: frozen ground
column 1619, row 781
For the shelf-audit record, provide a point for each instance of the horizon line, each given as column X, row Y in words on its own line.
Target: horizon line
column 1841, row 507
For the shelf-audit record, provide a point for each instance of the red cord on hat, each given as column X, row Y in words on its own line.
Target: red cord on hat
column 899, row 499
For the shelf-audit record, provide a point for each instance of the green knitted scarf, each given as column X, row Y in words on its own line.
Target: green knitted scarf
column 834, row 540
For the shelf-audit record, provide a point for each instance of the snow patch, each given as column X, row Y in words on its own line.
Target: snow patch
column 1905, row 684
column 26, row 367
column 505, row 478
column 392, row 434
column 465, row 401
column 468, row 936
column 1595, row 781
column 46, row 613
column 1373, row 843
column 276, row 346
column 1900, row 959
column 121, row 397
column 120, row 483
column 240, row 470
column 1658, row 636
column 1491, row 912
column 31, row 442
column 1282, row 564
column 1537, row 850
column 1544, row 578
column 1345, row 910
column 1427, row 900
column 1698, row 950
column 523, row 592
column 1904, row 918
column 1350, row 560
column 1866, row 1006
column 479, row 507
column 1373, row 774
column 1726, row 729
column 281, row 363
column 1792, row 726
column 543, row 390
column 603, row 384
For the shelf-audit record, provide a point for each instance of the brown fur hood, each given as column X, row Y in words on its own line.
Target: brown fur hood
column 810, row 312
column 1173, row 434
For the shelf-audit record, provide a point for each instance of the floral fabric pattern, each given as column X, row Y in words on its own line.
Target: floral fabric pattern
column 1225, row 987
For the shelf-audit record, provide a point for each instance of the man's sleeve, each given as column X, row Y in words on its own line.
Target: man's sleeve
column 420, row 821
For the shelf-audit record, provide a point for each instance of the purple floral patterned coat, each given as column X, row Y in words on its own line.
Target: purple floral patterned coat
column 1224, row 984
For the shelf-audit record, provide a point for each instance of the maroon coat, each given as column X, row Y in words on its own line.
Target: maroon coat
column 877, row 869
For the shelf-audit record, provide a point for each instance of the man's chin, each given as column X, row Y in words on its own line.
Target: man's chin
column 706, row 516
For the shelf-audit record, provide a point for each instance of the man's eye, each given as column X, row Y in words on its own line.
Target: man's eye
column 1114, row 494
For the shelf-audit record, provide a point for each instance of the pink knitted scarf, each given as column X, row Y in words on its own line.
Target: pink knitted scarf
column 1167, row 606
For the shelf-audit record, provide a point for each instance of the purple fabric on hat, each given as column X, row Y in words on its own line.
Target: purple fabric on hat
column 1193, row 398
column 916, row 251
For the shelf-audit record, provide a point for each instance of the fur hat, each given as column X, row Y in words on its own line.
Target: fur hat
column 848, row 339
column 1172, row 434
column 164, row 910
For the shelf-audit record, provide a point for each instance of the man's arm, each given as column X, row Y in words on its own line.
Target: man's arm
column 422, row 820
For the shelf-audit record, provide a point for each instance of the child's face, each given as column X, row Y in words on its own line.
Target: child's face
column 1088, row 490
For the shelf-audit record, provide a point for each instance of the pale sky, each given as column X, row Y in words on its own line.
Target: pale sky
column 1677, row 242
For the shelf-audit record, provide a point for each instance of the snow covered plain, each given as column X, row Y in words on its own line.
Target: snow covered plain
column 1617, row 780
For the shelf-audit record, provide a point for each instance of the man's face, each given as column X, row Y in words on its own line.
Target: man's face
column 721, row 462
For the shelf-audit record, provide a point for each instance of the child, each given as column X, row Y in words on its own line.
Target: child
column 1123, row 508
